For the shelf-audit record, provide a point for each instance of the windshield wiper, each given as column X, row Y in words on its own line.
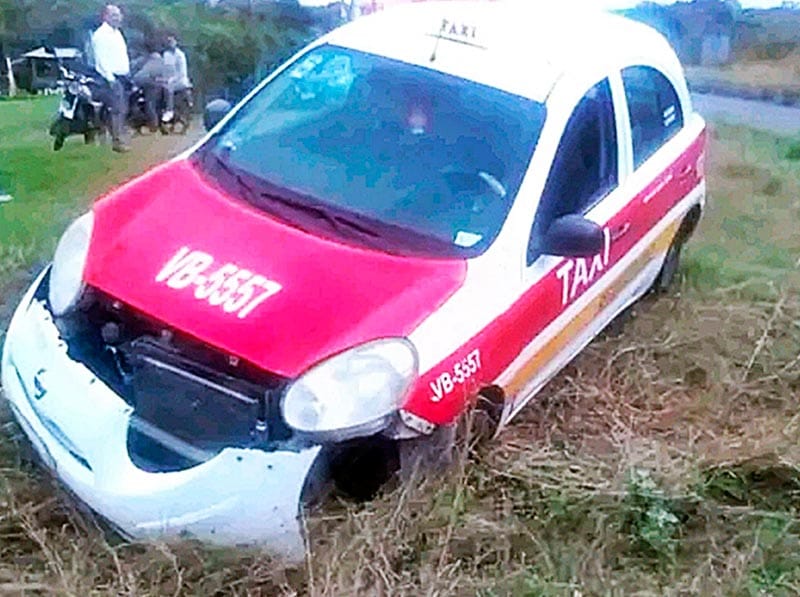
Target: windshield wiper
column 220, row 162
column 334, row 220
column 263, row 191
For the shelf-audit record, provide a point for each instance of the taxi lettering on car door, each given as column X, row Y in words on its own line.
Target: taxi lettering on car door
column 584, row 178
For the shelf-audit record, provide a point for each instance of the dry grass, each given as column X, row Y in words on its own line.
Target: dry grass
column 771, row 73
column 545, row 510
column 663, row 461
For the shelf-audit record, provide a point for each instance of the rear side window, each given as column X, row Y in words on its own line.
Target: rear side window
column 654, row 108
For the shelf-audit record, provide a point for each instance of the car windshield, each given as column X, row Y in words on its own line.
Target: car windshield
column 379, row 153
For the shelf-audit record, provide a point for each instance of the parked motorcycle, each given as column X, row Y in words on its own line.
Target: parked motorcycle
column 80, row 111
column 182, row 115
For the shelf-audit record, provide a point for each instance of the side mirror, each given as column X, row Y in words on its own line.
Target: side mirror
column 573, row 236
column 214, row 112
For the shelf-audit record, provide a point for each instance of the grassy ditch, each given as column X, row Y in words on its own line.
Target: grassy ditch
column 663, row 461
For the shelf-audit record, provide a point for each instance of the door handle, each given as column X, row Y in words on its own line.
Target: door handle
column 619, row 231
column 685, row 172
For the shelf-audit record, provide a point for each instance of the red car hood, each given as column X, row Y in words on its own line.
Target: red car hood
column 332, row 296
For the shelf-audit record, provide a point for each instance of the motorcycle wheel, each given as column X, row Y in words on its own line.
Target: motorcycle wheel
column 89, row 137
column 186, row 121
column 59, row 131
column 183, row 113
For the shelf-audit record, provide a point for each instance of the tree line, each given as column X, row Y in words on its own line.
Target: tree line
column 230, row 45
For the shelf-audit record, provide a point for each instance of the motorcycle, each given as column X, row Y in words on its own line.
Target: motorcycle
column 83, row 110
column 182, row 114
column 80, row 111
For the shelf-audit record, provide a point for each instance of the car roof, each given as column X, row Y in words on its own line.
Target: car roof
column 520, row 46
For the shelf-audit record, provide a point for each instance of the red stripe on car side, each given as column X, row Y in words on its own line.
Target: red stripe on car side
column 502, row 341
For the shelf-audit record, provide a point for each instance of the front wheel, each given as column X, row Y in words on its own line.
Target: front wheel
column 59, row 131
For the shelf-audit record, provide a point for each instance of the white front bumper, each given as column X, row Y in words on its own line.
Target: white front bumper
column 79, row 426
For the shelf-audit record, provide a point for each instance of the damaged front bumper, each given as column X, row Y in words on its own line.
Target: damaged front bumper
column 79, row 427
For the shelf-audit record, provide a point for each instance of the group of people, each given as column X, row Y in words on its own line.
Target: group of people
column 159, row 73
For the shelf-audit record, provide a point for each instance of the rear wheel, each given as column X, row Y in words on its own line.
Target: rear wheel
column 183, row 112
column 669, row 269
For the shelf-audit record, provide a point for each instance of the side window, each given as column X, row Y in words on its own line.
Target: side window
column 654, row 108
column 584, row 168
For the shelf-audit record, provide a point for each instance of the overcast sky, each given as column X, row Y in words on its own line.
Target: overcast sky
column 744, row 3
column 609, row 3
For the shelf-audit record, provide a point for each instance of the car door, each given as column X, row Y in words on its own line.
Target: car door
column 666, row 169
column 564, row 296
column 628, row 162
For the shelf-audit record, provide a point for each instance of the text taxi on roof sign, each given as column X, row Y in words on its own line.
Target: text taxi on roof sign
column 427, row 206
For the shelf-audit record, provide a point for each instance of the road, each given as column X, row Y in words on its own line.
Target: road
column 782, row 120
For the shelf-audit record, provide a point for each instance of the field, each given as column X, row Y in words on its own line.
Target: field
column 780, row 75
column 664, row 461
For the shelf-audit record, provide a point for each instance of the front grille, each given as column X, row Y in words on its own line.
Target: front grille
column 190, row 400
column 197, row 405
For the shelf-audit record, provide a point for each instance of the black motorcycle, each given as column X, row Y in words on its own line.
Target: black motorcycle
column 182, row 116
column 81, row 111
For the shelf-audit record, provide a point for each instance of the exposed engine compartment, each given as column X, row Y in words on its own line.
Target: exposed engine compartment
column 191, row 401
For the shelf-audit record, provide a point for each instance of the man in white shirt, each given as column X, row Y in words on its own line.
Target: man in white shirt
column 177, row 75
column 111, row 60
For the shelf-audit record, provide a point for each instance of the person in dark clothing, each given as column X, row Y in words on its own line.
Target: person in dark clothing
column 151, row 76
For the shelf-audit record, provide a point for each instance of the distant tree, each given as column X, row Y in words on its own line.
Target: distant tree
column 229, row 46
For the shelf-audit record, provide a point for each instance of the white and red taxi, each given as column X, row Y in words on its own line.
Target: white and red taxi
column 429, row 204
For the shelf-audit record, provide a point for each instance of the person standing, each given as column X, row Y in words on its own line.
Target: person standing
column 177, row 75
column 111, row 61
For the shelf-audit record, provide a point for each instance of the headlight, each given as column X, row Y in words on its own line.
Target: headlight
column 66, row 274
column 73, row 87
column 353, row 394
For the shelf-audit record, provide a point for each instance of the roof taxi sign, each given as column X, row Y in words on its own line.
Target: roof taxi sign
column 458, row 32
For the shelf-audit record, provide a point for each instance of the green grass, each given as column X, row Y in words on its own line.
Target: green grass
column 749, row 233
column 50, row 189
column 47, row 189
column 663, row 461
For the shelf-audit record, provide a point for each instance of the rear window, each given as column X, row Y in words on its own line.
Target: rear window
column 654, row 108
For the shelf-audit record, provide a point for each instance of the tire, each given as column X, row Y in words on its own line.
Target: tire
column 669, row 269
column 672, row 260
column 89, row 137
column 183, row 112
column 59, row 131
